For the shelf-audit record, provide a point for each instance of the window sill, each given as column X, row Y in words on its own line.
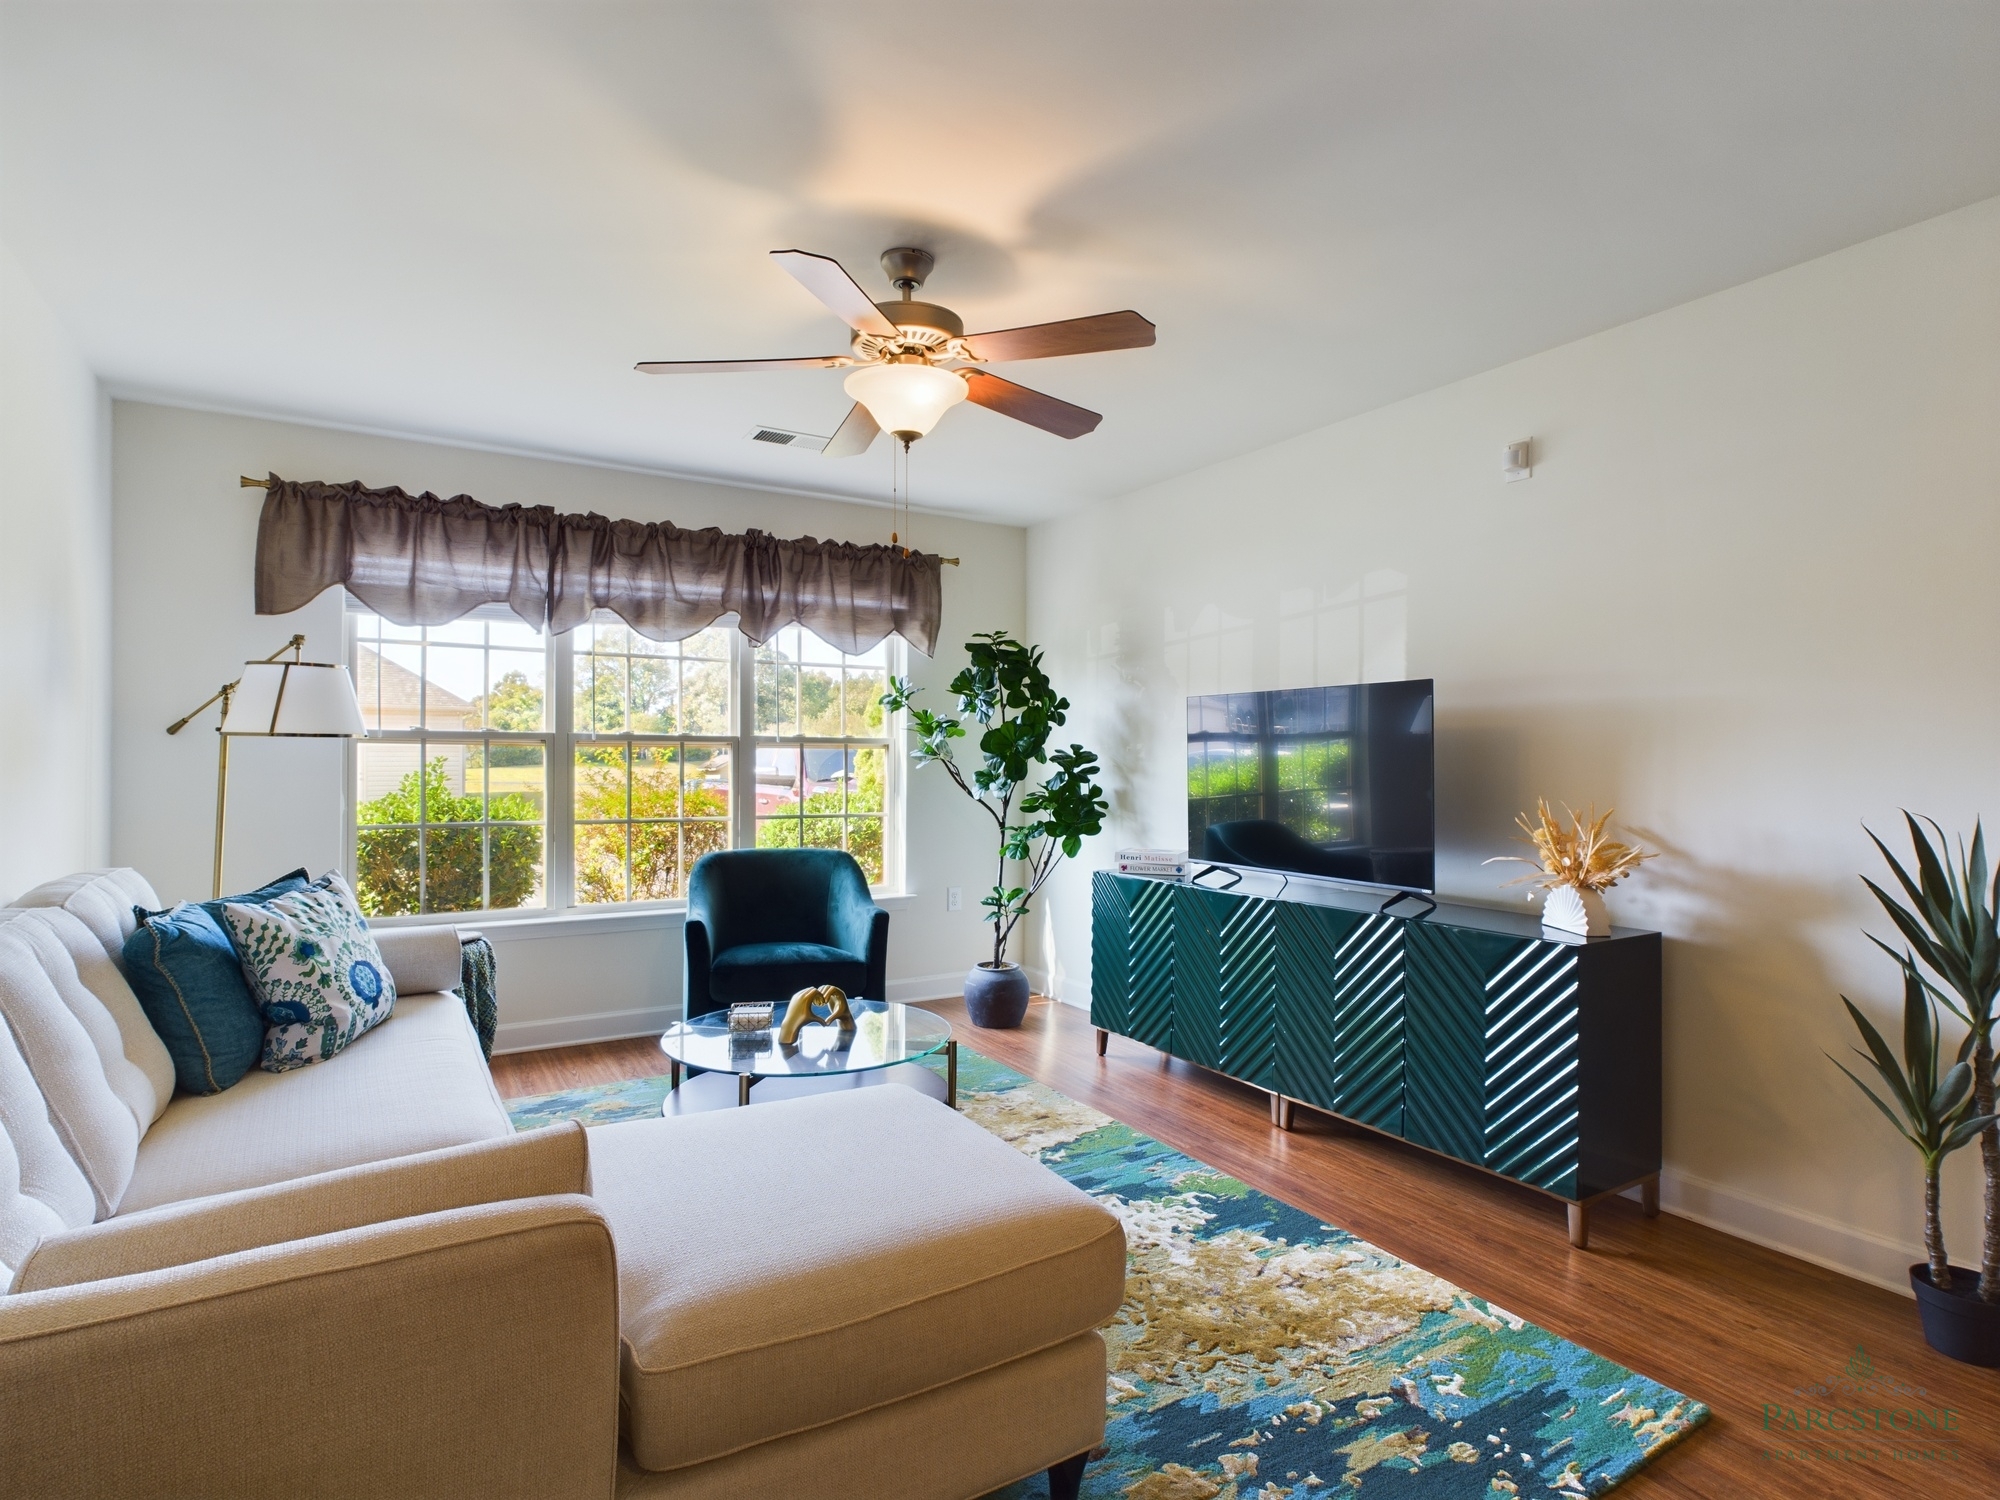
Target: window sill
column 526, row 926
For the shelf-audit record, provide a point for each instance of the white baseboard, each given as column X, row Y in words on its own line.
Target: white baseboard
column 947, row 986
column 651, row 1020
column 616, row 1025
column 1825, row 1242
column 926, row 987
column 592, row 1026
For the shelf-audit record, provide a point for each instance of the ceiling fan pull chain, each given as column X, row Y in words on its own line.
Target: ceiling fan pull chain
column 895, row 482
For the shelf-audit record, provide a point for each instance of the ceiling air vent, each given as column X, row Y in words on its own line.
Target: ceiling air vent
column 780, row 437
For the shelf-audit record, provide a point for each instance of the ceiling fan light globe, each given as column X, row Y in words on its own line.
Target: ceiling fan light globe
column 906, row 400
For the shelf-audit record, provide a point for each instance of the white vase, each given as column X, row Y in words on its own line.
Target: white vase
column 1568, row 909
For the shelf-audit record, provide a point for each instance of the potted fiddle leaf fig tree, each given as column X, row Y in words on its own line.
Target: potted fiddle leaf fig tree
column 1936, row 1116
column 1952, row 926
column 1043, row 802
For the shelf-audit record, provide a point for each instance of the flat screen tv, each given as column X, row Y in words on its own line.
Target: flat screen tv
column 1336, row 782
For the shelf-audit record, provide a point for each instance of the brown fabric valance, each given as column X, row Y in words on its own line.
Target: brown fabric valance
column 419, row 560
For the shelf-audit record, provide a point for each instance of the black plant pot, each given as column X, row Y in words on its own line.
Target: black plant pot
column 996, row 999
column 1956, row 1323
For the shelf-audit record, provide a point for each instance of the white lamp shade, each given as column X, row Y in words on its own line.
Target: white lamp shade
column 905, row 400
column 294, row 698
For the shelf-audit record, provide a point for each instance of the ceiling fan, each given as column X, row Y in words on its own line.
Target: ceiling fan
column 913, row 361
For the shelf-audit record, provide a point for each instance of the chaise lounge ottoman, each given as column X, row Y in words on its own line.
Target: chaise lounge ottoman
column 851, row 1293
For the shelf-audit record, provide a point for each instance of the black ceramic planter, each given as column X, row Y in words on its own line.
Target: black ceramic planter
column 996, row 999
column 1956, row 1323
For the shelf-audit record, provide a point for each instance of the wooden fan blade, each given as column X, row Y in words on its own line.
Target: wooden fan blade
column 855, row 432
column 1119, row 330
column 733, row 366
column 824, row 277
column 1032, row 407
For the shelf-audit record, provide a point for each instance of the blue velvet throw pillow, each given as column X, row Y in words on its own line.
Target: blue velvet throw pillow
column 185, row 972
column 190, row 982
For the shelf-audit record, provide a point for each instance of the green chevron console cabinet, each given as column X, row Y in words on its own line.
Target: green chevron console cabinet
column 1466, row 1031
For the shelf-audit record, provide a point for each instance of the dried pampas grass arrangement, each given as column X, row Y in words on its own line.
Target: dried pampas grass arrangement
column 1578, row 857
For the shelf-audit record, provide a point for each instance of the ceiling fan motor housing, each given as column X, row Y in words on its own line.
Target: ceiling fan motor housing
column 922, row 328
column 927, row 316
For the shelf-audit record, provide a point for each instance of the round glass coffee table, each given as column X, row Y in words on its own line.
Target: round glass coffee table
column 886, row 1045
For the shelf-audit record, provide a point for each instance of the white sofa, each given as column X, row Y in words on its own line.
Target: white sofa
column 415, row 1086
column 356, row 1279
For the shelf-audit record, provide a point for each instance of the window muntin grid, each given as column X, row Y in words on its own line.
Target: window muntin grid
column 626, row 752
column 821, row 772
column 451, row 780
column 651, row 780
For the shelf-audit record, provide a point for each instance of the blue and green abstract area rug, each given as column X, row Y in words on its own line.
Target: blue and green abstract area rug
column 1264, row 1355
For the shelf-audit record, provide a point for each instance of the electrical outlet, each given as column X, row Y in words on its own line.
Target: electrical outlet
column 953, row 897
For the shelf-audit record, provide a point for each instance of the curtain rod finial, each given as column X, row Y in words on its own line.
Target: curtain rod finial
column 244, row 481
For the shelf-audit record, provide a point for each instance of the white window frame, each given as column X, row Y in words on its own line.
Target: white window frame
column 745, row 809
column 560, row 739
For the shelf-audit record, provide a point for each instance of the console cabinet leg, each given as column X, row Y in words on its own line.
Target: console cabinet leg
column 1066, row 1478
column 1579, row 1225
column 1103, row 1037
column 1649, row 1196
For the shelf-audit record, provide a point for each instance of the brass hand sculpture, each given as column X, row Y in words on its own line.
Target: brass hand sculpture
column 801, row 1013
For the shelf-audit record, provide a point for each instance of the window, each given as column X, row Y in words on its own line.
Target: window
column 652, row 759
column 451, row 783
column 822, row 748
column 503, row 770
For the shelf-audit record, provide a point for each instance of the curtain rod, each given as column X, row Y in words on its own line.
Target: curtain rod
column 244, row 481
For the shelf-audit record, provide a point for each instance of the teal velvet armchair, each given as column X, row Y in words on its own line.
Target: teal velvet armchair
column 763, row 924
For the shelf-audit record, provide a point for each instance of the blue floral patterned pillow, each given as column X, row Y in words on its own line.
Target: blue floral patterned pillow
column 318, row 977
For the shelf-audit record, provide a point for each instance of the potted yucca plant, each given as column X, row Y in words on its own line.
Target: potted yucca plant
column 1936, row 1116
column 1006, row 693
column 1952, row 926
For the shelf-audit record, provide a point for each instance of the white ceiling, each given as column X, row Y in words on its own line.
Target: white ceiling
column 468, row 221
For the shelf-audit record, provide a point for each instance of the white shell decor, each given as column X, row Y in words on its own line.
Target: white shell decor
column 1568, row 909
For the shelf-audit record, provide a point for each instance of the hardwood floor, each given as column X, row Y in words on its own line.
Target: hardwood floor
column 1735, row 1325
column 518, row 1074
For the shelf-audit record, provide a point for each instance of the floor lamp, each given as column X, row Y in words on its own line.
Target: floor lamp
column 277, row 699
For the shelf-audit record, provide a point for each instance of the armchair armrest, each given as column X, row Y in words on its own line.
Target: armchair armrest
column 860, row 927
column 696, row 999
column 877, row 954
column 532, row 1165
column 473, row 1352
column 420, row 959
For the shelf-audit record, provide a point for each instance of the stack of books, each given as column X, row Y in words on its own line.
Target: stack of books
column 1164, row 864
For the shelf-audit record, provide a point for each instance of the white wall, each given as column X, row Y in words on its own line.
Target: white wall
column 54, row 594
column 1748, row 598
column 185, row 542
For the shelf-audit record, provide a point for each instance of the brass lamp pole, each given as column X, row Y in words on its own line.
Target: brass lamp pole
column 293, row 699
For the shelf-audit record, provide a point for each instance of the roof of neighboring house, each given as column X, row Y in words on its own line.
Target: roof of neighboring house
column 400, row 688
